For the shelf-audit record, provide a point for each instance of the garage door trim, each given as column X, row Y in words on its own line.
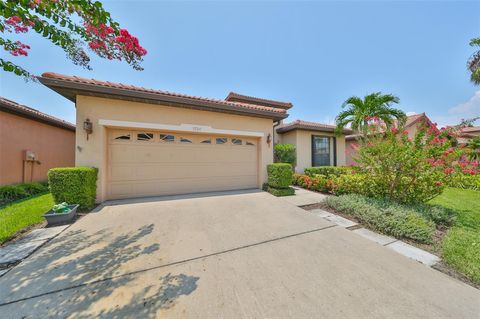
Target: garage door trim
column 193, row 128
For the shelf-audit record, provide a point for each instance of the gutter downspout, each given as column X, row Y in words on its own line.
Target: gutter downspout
column 275, row 124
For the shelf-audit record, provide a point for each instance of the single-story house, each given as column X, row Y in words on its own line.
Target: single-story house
column 412, row 124
column 316, row 143
column 149, row 142
column 32, row 142
column 467, row 134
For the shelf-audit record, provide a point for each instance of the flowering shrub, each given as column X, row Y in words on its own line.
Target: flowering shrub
column 315, row 183
column 68, row 24
column 328, row 170
column 407, row 170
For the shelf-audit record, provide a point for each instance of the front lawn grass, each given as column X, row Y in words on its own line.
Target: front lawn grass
column 21, row 214
column 461, row 246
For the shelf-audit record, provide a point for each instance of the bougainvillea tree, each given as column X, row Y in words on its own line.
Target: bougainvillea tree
column 71, row 25
column 408, row 169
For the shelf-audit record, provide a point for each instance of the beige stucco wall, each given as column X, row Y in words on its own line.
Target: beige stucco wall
column 53, row 146
column 93, row 152
column 302, row 139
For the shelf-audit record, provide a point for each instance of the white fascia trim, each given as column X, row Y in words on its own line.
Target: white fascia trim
column 179, row 128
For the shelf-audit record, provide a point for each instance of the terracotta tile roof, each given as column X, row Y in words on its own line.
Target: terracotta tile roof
column 113, row 89
column 236, row 97
column 305, row 125
column 10, row 106
column 412, row 119
column 471, row 129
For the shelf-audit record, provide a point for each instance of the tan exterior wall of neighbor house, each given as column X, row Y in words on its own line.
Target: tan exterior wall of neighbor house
column 53, row 146
column 302, row 139
column 93, row 152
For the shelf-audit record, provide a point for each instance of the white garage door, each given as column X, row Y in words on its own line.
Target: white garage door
column 149, row 163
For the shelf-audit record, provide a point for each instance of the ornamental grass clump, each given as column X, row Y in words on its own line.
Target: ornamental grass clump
column 386, row 217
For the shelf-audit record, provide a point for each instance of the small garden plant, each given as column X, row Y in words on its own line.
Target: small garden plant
column 61, row 208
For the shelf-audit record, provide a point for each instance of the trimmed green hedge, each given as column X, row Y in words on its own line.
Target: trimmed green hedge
column 74, row 185
column 387, row 217
column 328, row 170
column 279, row 175
column 281, row 191
column 11, row 193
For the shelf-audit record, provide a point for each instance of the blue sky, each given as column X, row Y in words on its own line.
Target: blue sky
column 314, row 54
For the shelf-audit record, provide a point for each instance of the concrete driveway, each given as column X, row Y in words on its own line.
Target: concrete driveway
column 227, row 255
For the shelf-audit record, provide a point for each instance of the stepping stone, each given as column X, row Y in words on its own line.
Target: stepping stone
column 16, row 252
column 339, row 220
column 414, row 253
column 43, row 233
column 380, row 239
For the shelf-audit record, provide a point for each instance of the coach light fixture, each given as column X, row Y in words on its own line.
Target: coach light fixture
column 88, row 127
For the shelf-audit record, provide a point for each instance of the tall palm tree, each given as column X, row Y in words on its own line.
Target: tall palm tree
column 473, row 63
column 358, row 111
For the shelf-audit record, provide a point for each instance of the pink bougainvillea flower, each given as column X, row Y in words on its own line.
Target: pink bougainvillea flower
column 449, row 170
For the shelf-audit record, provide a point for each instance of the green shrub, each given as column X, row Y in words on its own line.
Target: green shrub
column 285, row 153
column 465, row 181
column 281, row 191
column 74, row 185
column 348, row 184
column 386, row 217
column 328, row 170
column 34, row 188
column 11, row 193
column 279, row 175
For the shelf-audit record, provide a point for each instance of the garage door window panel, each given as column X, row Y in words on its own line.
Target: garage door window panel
column 144, row 136
column 221, row 140
column 167, row 138
column 206, row 141
column 185, row 140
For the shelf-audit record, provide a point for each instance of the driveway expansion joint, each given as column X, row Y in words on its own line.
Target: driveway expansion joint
column 169, row 264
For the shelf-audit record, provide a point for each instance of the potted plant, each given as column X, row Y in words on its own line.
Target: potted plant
column 61, row 213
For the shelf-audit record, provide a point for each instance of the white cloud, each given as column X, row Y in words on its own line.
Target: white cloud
column 465, row 110
column 469, row 107
column 411, row 113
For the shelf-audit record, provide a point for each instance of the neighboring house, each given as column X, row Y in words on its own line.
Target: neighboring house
column 316, row 143
column 412, row 125
column 467, row 134
column 149, row 142
column 32, row 142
